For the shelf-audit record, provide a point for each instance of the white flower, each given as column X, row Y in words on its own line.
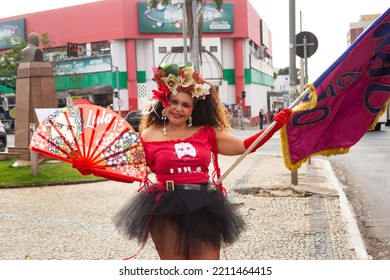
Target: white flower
column 186, row 76
column 200, row 91
column 172, row 82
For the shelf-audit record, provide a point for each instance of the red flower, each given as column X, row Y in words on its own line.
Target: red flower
column 162, row 94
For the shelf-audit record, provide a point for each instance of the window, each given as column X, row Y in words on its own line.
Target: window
column 214, row 49
column 53, row 54
column 103, row 100
column 162, row 49
column 177, row 49
column 101, row 48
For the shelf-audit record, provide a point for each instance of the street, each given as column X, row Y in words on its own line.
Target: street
column 364, row 175
column 74, row 222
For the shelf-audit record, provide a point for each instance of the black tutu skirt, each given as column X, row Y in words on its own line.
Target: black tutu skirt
column 196, row 217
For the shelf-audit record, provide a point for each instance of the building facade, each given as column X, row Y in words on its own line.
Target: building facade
column 119, row 41
column 356, row 28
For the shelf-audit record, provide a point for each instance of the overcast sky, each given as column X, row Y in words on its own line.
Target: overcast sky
column 19, row 7
column 328, row 20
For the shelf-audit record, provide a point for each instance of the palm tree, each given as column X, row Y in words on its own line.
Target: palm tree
column 190, row 19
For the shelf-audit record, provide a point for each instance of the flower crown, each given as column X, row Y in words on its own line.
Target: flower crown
column 172, row 79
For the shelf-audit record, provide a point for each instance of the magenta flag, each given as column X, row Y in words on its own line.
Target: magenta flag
column 344, row 102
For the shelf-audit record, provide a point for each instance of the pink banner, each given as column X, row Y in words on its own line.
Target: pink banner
column 344, row 102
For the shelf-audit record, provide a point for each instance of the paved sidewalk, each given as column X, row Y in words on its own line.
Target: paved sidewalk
column 309, row 221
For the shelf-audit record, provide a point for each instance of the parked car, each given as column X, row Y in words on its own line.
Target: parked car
column 134, row 118
column 3, row 138
column 7, row 125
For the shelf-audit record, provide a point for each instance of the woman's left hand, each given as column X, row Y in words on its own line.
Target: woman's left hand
column 282, row 117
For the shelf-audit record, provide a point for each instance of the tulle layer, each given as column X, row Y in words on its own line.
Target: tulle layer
column 198, row 215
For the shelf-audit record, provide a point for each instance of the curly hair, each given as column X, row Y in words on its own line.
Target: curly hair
column 209, row 111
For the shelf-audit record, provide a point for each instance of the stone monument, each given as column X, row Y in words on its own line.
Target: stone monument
column 35, row 88
column 32, row 52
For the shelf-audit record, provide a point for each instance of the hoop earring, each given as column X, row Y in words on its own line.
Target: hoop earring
column 189, row 121
column 164, row 117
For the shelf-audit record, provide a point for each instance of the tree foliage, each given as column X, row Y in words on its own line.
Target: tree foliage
column 9, row 63
column 10, row 60
column 286, row 71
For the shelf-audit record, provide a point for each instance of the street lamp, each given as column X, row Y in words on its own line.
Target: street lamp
column 195, row 41
column 120, row 101
column 184, row 27
column 243, row 95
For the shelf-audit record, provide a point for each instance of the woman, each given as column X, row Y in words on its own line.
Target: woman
column 262, row 118
column 185, row 212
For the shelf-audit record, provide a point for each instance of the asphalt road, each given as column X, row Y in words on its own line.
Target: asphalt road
column 364, row 172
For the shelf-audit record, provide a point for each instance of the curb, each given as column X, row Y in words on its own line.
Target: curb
column 347, row 213
column 50, row 184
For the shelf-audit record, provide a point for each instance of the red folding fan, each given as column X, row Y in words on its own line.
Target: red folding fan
column 95, row 140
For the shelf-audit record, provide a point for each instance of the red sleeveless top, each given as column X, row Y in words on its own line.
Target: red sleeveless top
column 183, row 161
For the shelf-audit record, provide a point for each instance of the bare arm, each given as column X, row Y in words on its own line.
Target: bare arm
column 229, row 145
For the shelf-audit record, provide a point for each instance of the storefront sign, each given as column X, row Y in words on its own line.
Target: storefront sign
column 84, row 65
column 11, row 30
column 169, row 19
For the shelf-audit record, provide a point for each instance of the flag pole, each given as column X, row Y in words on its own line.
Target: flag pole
column 253, row 145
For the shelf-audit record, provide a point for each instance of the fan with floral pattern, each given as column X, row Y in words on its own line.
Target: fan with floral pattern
column 95, row 140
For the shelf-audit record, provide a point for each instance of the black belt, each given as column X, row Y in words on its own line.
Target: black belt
column 171, row 186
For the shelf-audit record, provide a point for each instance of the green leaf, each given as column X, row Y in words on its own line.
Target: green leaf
column 172, row 69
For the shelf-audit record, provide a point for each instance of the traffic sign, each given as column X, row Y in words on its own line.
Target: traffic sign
column 306, row 40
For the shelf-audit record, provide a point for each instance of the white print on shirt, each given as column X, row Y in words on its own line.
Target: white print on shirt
column 185, row 170
column 184, row 148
